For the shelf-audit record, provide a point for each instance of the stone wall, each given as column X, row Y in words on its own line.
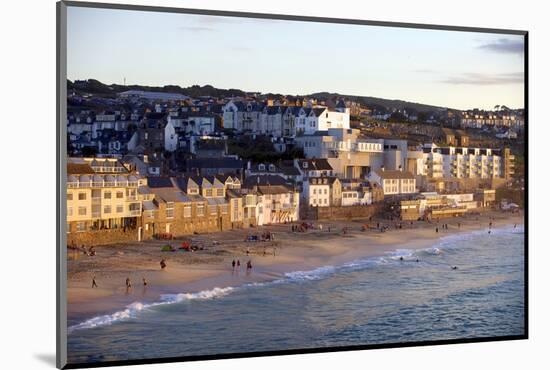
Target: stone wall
column 99, row 237
column 343, row 213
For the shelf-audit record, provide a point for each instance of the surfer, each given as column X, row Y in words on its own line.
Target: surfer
column 454, row 268
column 94, row 284
column 162, row 264
column 401, row 258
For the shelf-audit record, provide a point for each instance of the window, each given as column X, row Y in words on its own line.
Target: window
column 69, row 196
column 107, row 195
column 224, row 208
column 208, row 192
column 219, row 193
column 314, row 191
column 119, row 208
column 120, row 194
column 81, row 226
column 82, row 211
column 213, row 210
column 170, row 210
column 187, row 211
column 69, row 211
column 200, row 210
column 81, row 196
column 107, row 209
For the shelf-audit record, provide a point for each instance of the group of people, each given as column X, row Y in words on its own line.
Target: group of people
column 128, row 283
column 237, row 264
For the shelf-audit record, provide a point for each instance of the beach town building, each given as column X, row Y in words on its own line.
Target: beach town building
column 322, row 191
column 102, row 199
column 215, row 166
column 464, row 162
column 284, row 169
column 276, row 204
column 479, row 119
column 360, row 192
column 394, row 182
column 351, row 155
column 281, row 120
column 315, row 167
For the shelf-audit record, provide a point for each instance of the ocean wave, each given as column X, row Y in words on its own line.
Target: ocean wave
column 129, row 312
column 133, row 309
column 202, row 295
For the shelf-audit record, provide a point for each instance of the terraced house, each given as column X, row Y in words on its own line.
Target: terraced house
column 103, row 204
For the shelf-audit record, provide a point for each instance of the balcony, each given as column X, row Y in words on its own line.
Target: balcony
column 136, row 212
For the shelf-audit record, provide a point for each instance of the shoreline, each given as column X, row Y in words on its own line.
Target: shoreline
column 192, row 272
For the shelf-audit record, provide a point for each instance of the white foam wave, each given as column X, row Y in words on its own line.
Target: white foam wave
column 312, row 274
column 202, row 295
column 133, row 309
column 129, row 312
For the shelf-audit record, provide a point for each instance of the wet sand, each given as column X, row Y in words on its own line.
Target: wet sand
column 211, row 267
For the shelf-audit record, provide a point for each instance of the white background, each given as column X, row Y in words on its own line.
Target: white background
column 27, row 132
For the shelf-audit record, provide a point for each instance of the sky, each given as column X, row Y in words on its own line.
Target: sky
column 461, row 70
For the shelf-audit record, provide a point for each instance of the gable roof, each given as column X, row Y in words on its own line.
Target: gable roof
column 320, row 164
column 257, row 180
column 395, row 174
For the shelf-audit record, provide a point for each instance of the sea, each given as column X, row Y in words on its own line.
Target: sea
column 402, row 296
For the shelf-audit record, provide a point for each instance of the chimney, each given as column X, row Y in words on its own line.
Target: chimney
column 382, row 168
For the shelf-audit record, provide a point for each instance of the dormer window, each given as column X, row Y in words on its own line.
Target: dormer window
column 271, row 168
column 305, row 165
column 261, row 167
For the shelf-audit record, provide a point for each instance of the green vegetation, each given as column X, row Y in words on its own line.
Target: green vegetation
column 260, row 149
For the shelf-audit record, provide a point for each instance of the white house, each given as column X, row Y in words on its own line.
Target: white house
column 276, row 204
column 316, row 192
column 394, row 182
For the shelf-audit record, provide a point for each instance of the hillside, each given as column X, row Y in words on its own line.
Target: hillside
column 92, row 86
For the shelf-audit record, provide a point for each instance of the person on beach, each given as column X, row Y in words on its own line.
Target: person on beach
column 249, row 265
column 238, row 264
column 436, row 229
column 162, row 264
column 128, row 283
column 144, row 282
column 94, row 284
column 459, row 225
column 233, row 264
column 515, row 225
column 247, row 251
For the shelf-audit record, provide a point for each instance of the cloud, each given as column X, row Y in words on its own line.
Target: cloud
column 504, row 46
column 486, row 79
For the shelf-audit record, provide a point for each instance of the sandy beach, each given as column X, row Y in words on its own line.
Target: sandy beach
column 325, row 244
